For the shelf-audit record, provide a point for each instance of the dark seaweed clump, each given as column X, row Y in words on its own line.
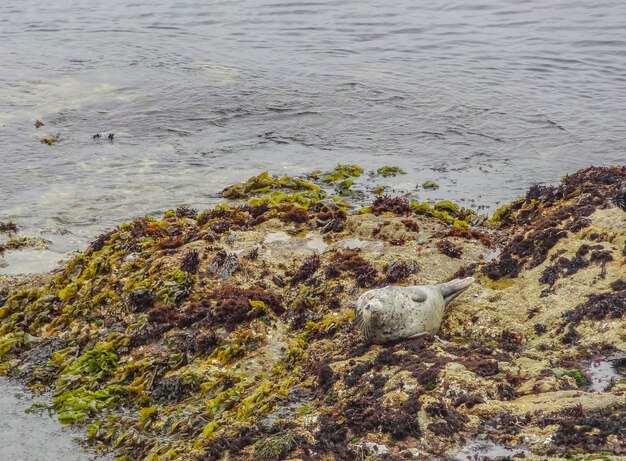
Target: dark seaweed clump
column 451, row 421
column 591, row 186
column 174, row 389
column 618, row 285
column 307, row 269
column 186, row 212
column 588, row 431
column 235, row 305
column 564, row 267
column 385, row 204
column 141, row 299
column 329, row 218
column 599, row 306
column 190, row 262
column 295, row 214
column 8, row 227
column 224, row 264
column 398, row 271
column 352, row 262
column 449, row 249
column 102, row 240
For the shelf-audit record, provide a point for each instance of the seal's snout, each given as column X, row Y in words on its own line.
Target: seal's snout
column 454, row 288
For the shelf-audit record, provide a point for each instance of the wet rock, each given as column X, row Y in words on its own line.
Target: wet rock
column 164, row 343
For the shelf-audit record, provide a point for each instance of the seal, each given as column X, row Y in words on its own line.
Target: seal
column 394, row 313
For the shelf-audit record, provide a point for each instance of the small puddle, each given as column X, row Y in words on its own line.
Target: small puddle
column 358, row 244
column 274, row 237
column 316, row 243
column 604, row 371
column 482, row 449
column 312, row 242
column 35, row 436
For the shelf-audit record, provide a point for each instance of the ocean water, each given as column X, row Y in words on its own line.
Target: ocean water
column 484, row 97
column 36, row 436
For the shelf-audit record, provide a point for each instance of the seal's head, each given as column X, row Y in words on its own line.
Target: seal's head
column 368, row 318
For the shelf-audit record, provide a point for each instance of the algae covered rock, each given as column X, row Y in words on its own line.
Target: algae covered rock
column 228, row 334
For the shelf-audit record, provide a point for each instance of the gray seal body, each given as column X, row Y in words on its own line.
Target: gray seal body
column 393, row 313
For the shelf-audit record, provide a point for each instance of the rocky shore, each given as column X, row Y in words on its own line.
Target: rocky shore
column 228, row 334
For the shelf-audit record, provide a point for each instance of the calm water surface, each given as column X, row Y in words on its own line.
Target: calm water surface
column 485, row 98
column 36, row 436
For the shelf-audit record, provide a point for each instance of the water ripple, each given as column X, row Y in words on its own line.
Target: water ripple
column 493, row 96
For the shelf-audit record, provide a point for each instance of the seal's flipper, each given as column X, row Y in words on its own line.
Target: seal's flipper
column 418, row 335
column 454, row 288
column 418, row 295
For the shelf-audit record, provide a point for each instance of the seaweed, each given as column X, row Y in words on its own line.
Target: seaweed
column 618, row 285
column 329, row 218
column 306, row 271
column 411, row 225
column 455, row 216
column 16, row 243
column 563, row 267
column 173, row 389
column 385, row 204
column 170, row 347
column 551, row 217
column 452, row 420
column 588, row 431
column 190, row 262
column 141, row 299
column 295, row 214
column 184, row 211
column 235, row 305
column 339, row 173
column 449, row 249
column 398, row 271
column 224, row 264
column 387, row 171
column 599, row 306
column 469, row 234
column 275, row 446
column 351, row 261
column 8, row 227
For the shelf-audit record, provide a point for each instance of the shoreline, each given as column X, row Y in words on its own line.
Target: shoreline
column 230, row 330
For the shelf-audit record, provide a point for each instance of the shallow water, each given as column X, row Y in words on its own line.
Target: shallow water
column 478, row 450
column 35, row 436
column 483, row 97
column 604, row 371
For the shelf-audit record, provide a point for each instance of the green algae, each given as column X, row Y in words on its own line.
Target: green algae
column 264, row 183
column 379, row 190
column 50, row 141
column 338, row 174
column 429, row 184
column 500, row 215
column 16, row 243
column 76, row 405
column 446, row 212
column 578, row 376
column 387, row 171
column 446, row 205
column 93, row 366
column 14, row 340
